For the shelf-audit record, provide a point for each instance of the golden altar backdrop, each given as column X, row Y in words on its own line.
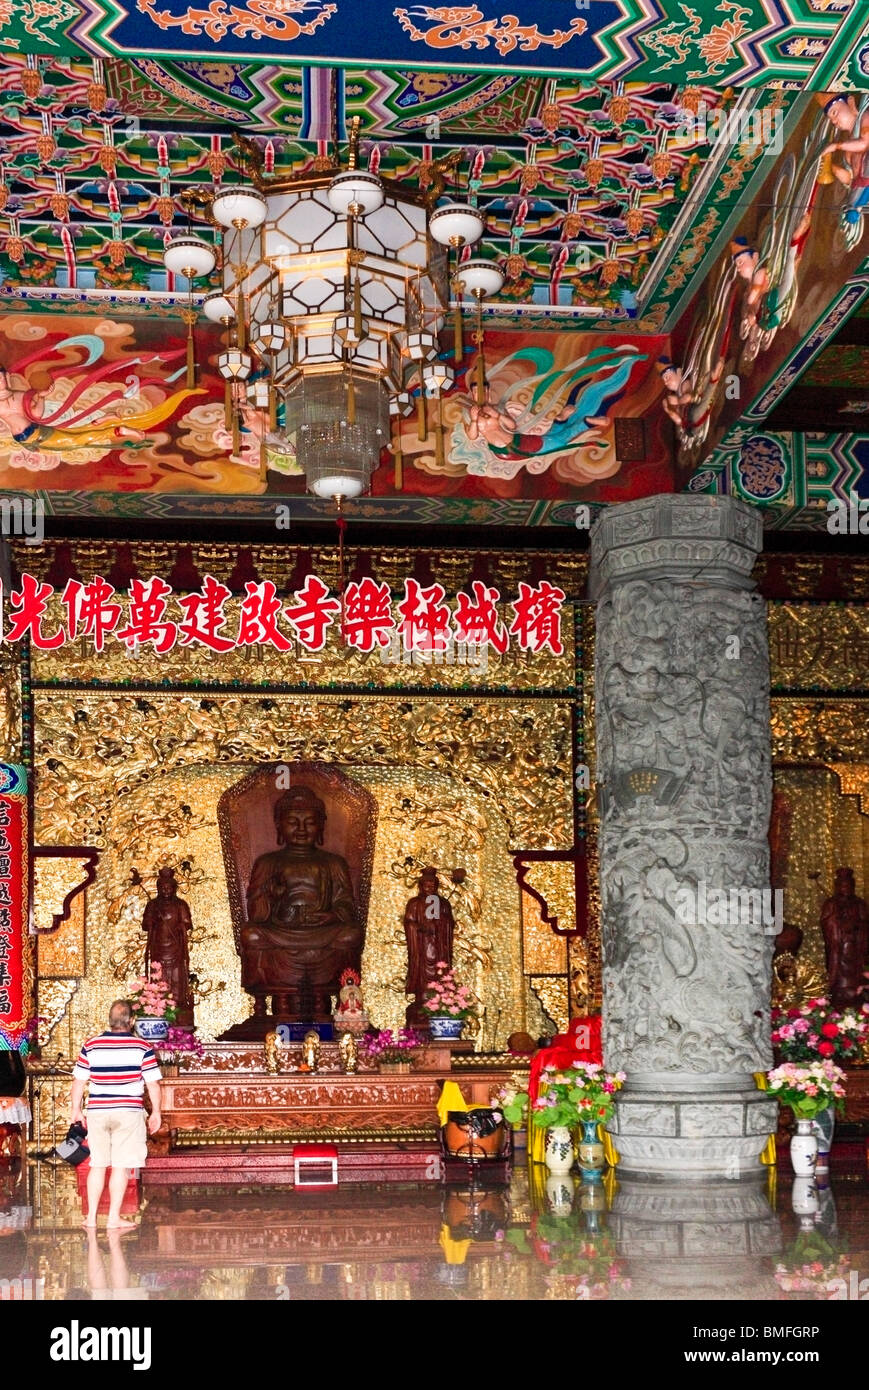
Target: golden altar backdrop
column 461, row 782
column 467, row 765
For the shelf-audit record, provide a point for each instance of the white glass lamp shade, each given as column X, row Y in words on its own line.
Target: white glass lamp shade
column 258, row 393
column 482, row 279
column 399, row 404
column 234, row 365
column 345, row 331
column 269, row 337
column 355, row 192
column 189, row 256
column 239, row 207
column 420, row 346
column 338, row 454
column 437, row 377
column 218, row 308
column 457, row 224
column 336, row 485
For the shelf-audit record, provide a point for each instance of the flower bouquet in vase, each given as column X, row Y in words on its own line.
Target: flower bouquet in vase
column 391, row 1051
column 815, row 1031
column 179, row 1048
column 812, row 1264
column 447, row 1003
column 581, row 1097
column 808, row 1090
column 153, row 1006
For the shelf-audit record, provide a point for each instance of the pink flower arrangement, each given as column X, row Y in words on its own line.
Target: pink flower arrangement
column 445, row 997
column 180, row 1047
column 386, row 1046
column 816, row 1029
column 582, row 1092
column 151, row 998
column 808, row 1090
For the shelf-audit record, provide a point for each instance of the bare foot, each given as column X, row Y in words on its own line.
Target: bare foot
column 89, row 1225
column 122, row 1226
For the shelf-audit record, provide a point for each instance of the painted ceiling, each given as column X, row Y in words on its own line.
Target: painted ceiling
column 607, row 142
column 581, row 185
column 731, row 41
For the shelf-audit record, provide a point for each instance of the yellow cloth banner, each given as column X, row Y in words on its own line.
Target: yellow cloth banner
column 455, row 1251
column 451, row 1098
column 768, row 1152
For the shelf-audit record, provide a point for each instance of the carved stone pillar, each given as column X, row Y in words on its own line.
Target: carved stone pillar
column 683, row 746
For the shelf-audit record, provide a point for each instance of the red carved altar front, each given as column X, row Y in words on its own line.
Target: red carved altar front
column 230, row 1104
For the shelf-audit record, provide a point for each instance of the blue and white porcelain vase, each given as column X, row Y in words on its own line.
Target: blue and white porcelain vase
column 590, row 1147
column 444, row 1028
column 804, row 1150
column 152, row 1030
column 558, row 1154
column 824, row 1126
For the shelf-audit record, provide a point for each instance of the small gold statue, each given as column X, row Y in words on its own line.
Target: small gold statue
column 348, row 1050
column 271, row 1044
column 311, row 1051
column 795, row 980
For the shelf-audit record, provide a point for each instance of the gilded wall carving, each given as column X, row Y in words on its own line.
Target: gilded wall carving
column 452, row 568
column 590, row 969
column 823, row 646
column 827, row 830
column 460, row 782
column 819, row 730
column 11, row 750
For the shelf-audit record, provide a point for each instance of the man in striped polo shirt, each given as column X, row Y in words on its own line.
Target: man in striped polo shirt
column 116, row 1066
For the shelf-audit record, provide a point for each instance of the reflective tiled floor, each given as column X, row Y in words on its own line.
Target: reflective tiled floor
column 534, row 1238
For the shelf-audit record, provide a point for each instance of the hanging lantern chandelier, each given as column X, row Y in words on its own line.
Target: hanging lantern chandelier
column 193, row 258
column 335, row 289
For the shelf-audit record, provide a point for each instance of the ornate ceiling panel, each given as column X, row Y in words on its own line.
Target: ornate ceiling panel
column 744, row 41
column 611, row 145
column 582, row 185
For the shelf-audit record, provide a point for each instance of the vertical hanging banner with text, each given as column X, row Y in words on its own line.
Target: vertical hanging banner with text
column 14, row 1009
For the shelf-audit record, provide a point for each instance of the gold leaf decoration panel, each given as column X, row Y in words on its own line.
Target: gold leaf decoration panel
column 822, row 646
column 827, row 830
column 545, row 952
column 453, row 568
column 61, row 952
column 819, row 730
column 459, row 782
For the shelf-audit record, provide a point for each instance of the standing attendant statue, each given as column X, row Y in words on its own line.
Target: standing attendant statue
column 845, row 925
column 168, row 924
column 429, row 928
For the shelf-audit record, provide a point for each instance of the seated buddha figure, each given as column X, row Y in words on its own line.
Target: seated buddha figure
column 302, row 928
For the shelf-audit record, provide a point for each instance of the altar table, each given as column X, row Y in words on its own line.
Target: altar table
column 227, row 1118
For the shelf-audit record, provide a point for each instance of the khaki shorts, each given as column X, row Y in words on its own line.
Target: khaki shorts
column 117, row 1138
column 119, row 1295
